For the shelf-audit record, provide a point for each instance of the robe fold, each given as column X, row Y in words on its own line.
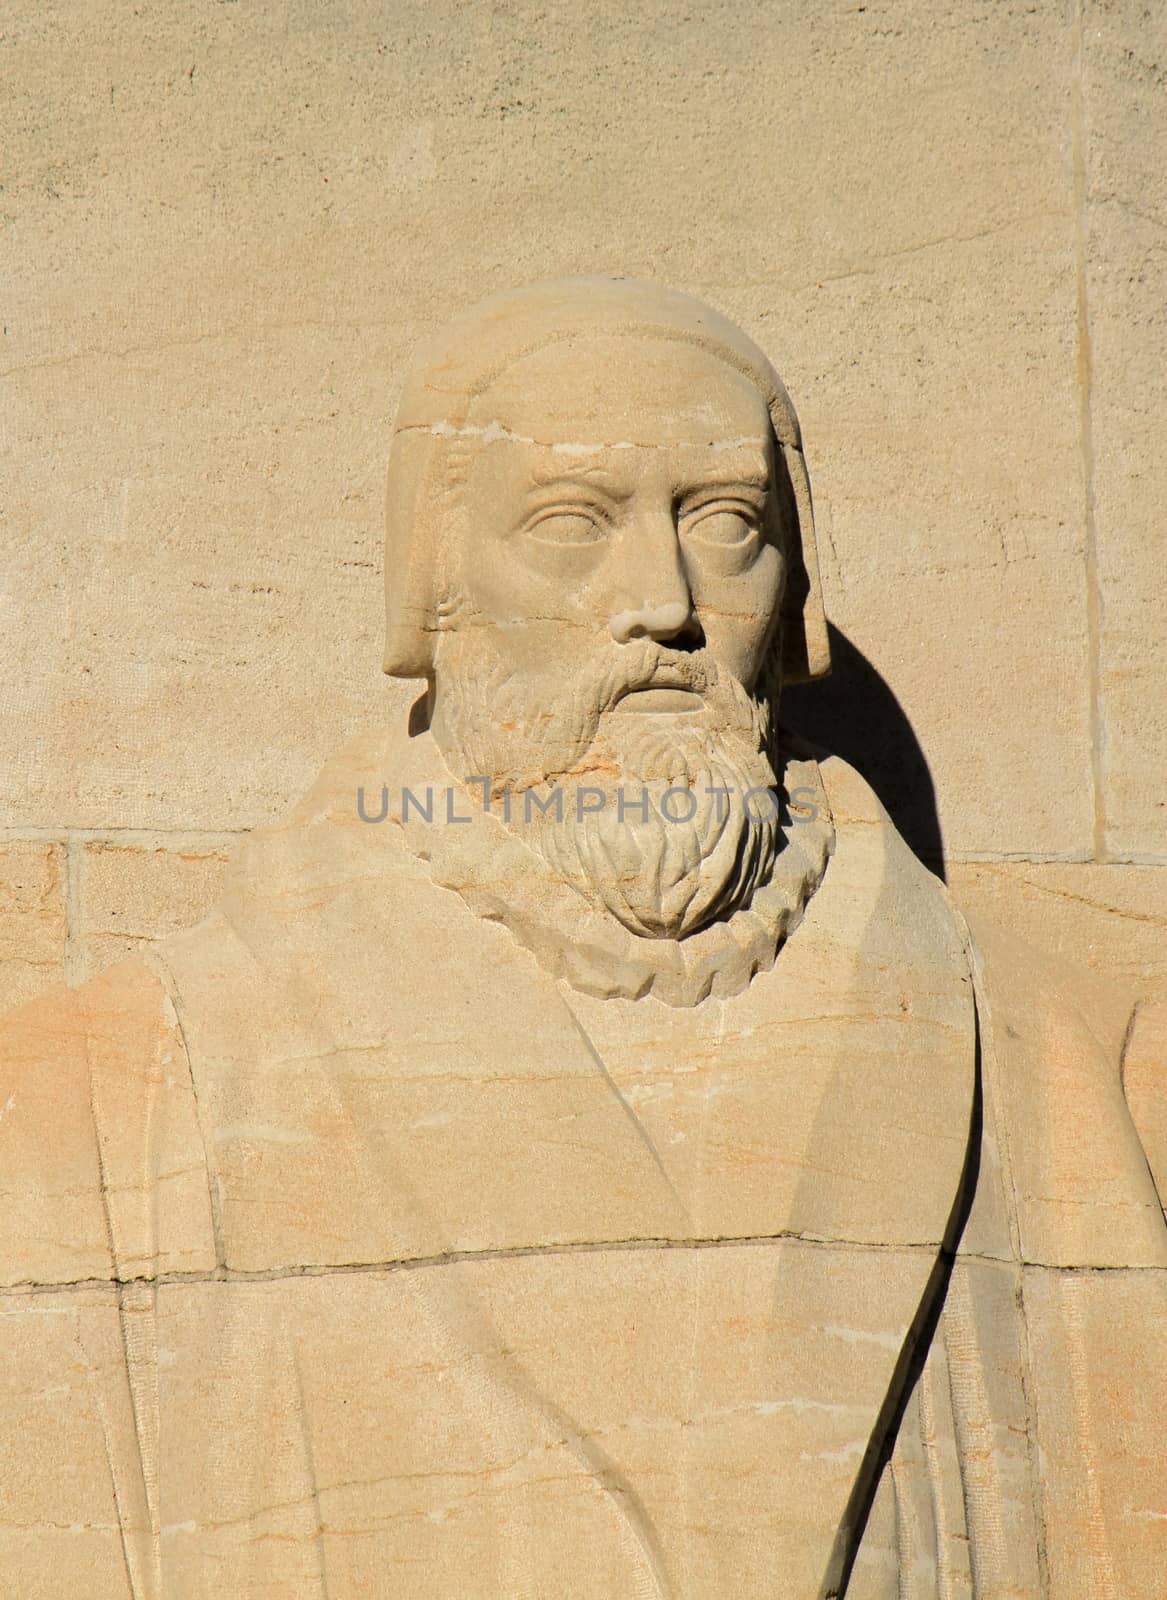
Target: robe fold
column 348, row 1253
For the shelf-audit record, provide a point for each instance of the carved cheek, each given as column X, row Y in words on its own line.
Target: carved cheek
column 738, row 607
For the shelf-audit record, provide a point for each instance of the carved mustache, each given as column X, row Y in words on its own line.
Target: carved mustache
column 648, row 665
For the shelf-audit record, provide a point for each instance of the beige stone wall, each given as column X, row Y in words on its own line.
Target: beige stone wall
column 227, row 223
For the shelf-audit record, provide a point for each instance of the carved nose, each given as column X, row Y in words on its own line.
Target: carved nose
column 664, row 608
column 651, row 622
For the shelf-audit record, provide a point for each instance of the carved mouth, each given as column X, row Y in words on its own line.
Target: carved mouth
column 659, row 698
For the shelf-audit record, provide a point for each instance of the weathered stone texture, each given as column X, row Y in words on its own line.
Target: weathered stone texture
column 1125, row 90
column 129, row 896
column 32, row 919
column 1110, row 919
column 227, row 224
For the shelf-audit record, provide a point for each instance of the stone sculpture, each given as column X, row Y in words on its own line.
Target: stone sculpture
column 585, row 1155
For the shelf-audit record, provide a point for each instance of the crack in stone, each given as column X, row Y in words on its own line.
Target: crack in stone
column 497, row 433
column 27, row 1288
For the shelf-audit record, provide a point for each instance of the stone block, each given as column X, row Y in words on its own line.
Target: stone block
column 130, row 896
column 68, row 1341
column 230, row 252
column 32, row 919
column 1099, row 1424
column 1126, row 292
column 1111, row 919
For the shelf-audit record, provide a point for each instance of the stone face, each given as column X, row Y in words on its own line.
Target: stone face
column 639, row 1192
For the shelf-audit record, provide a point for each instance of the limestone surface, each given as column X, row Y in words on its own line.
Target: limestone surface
column 583, row 1152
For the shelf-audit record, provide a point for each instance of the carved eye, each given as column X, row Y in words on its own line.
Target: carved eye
column 727, row 526
column 566, row 527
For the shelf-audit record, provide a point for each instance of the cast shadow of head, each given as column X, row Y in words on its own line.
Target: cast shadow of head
column 855, row 714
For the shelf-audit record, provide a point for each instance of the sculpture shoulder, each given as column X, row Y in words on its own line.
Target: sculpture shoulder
column 1059, row 1129
column 101, row 1166
column 1053, row 1040
column 878, row 884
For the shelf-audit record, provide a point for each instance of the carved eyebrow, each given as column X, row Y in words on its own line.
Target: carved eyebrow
column 555, row 475
column 745, row 470
column 757, row 480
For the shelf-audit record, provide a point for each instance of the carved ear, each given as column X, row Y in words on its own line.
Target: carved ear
column 806, row 652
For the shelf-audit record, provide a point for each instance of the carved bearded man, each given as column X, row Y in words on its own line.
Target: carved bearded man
column 615, row 1173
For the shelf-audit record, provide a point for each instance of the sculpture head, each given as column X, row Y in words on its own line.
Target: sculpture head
column 600, row 555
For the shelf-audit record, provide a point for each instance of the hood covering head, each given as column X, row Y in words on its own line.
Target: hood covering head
column 428, row 454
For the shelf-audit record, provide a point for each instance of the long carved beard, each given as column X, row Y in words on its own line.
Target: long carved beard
column 612, row 834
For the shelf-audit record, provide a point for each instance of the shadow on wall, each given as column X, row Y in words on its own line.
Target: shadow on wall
column 854, row 714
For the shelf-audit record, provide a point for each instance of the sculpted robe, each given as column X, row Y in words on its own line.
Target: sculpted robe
column 351, row 1254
